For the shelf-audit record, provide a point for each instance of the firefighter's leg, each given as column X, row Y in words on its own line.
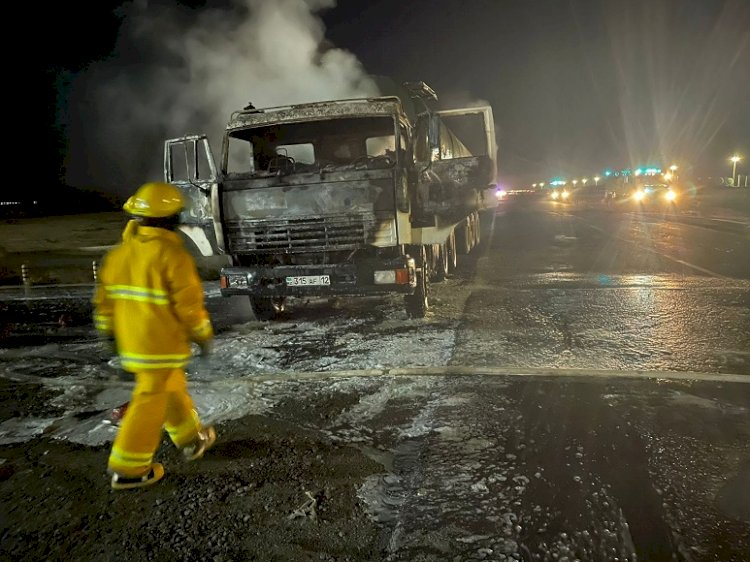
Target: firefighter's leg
column 140, row 430
column 182, row 421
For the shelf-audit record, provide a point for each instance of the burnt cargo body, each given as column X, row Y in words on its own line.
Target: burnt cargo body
column 344, row 197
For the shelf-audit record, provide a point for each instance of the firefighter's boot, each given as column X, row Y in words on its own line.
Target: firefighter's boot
column 120, row 482
column 205, row 440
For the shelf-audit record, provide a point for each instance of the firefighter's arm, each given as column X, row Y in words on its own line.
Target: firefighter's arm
column 186, row 293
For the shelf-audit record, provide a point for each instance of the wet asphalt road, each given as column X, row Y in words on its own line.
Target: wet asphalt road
column 589, row 288
column 522, row 462
column 557, row 468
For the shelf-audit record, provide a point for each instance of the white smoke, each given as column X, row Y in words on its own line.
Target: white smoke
column 178, row 72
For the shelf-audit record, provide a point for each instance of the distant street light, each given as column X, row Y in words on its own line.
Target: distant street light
column 673, row 168
column 584, row 180
column 596, row 180
column 575, row 182
column 541, row 184
column 533, row 185
column 734, row 159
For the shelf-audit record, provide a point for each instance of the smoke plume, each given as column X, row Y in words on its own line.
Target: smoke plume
column 176, row 71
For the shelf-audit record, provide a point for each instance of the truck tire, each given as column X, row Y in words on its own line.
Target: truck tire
column 450, row 247
column 416, row 305
column 463, row 238
column 267, row 308
column 477, row 230
column 433, row 255
column 441, row 266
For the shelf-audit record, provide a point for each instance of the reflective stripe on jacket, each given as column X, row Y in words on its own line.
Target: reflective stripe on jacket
column 150, row 298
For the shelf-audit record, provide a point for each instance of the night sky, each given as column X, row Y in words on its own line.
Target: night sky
column 576, row 85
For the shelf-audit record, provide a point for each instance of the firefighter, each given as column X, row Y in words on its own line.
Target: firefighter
column 149, row 300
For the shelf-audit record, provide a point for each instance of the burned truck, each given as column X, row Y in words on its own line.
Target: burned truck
column 346, row 197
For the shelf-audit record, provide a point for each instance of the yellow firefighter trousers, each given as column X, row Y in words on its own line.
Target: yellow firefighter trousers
column 160, row 399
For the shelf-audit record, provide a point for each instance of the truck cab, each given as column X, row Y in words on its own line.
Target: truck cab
column 344, row 197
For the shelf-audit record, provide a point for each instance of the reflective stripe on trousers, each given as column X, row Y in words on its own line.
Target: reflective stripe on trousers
column 160, row 400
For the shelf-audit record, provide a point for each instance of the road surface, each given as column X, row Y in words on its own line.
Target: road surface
column 578, row 391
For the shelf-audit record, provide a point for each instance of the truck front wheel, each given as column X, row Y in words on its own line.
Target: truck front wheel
column 267, row 308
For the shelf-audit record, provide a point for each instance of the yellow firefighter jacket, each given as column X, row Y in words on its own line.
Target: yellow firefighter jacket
column 150, row 297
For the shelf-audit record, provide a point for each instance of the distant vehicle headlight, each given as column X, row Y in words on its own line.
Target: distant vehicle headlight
column 670, row 195
column 500, row 193
column 639, row 195
column 565, row 194
column 554, row 195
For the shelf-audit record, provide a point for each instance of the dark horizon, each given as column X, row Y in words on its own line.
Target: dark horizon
column 576, row 86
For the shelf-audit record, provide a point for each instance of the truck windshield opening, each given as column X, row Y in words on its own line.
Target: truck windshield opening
column 311, row 146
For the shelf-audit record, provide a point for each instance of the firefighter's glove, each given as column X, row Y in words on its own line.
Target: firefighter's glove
column 206, row 348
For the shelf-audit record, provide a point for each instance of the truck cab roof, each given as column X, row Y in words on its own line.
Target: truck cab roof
column 386, row 105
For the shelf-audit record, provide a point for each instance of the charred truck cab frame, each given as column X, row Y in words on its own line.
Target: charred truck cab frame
column 345, row 197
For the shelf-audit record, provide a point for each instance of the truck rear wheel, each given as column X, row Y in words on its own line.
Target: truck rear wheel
column 441, row 265
column 477, row 227
column 267, row 308
column 463, row 238
column 433, row 256
column 451, row 254
column 417, row 304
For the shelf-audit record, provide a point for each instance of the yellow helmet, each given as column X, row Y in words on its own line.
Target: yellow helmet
column 155, row 200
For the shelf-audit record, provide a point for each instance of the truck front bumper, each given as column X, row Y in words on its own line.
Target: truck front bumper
column 363, row 278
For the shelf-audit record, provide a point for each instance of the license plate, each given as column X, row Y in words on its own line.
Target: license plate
column 308, row 280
